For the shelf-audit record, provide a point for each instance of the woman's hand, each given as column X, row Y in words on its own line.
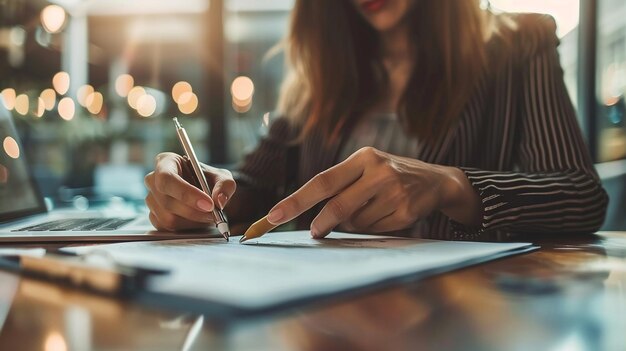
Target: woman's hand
column 176, row 204
column 373, row 191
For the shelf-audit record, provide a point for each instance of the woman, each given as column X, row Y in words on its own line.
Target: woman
column 434, row 118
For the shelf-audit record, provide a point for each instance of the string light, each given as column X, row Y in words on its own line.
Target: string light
column 61, row 82
column 179, row 89
column 82, row 94
column 66, row 108
column 49, row 98
column 8, row 98
column 53, row 18
column 146, row 105
column 190, row 106
column 94, row 102
column 11, row 148
column 134, row 95
column 123, row 84
column 22, row 104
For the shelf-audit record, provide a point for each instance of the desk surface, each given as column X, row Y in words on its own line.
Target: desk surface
column 566, row 296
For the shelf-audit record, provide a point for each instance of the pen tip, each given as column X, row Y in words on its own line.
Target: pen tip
column 242, row 239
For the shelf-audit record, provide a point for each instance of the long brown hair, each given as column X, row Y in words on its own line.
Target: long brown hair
column 336, row 70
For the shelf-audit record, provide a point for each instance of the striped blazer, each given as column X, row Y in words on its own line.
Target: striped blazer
column 517, row 140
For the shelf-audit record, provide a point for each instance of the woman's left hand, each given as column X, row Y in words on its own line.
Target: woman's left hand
column 373, row 191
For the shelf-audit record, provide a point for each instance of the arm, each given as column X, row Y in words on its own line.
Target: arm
column 556, row 188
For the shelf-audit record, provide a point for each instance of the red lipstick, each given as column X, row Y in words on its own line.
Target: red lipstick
column 373, row 5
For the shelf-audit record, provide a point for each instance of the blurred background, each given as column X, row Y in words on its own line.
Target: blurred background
column 93, row 84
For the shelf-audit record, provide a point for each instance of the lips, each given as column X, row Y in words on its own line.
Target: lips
column 373, row 5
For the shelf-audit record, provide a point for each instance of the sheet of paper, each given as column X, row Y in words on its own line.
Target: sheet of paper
column 286, row 266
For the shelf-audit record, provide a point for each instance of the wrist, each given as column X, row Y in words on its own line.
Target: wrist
column 460, row 201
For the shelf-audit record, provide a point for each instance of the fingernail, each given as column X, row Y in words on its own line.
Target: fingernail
column 204, row 205
column 314, row 232
column 275, row 216
column 221, row 200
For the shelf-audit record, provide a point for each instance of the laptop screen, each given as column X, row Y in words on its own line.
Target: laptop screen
column 18, row 194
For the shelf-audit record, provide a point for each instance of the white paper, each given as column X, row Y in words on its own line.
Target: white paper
column 286, row 266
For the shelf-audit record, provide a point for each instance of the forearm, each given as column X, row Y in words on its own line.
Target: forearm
column 559, row 201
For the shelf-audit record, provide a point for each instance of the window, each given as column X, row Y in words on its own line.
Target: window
column 611, row 80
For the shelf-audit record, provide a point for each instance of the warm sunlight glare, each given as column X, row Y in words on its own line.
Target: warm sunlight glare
column 565, row 12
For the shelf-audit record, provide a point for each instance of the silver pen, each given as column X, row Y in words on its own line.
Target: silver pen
column 218, row 215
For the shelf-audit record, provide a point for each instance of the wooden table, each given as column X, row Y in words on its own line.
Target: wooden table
column 570, row 295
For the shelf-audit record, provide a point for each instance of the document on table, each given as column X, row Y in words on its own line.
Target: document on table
column 283, row 267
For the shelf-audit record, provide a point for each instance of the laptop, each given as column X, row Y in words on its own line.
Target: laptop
column 24, row 216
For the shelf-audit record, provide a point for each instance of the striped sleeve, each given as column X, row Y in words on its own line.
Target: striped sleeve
column 556, row 189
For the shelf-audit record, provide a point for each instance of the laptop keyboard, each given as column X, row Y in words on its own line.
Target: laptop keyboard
column 78, row 224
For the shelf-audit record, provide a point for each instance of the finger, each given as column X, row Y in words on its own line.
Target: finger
column 166, row 221
column 224, row 185
column 180, row 209
column 320, row 187
column 393, row 222
column 168, row 181
column 341, row 207
column 370, row 213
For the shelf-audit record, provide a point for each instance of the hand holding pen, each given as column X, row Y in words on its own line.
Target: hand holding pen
column 175, row 203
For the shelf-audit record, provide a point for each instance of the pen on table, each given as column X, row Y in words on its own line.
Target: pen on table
column 218, row 214
column 257, row 229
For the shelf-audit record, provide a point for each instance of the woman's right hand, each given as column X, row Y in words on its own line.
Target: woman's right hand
column 175, row 203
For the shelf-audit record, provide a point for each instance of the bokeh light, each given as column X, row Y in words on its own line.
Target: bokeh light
column 66, row 108
column 8, row 98
column 94, row 102
column 55, row 342
column 134, row 94
column 49, row 97
column 61, row 82
column 82, row 94
column 185, row 97
column 10, row 147
column 4, row 174
column 22, row 104
column 53, row 18
column 242, row 88
column 180, row 89
column 123, row 84
column 146, row 105
column 41, row 108
column 190, row 106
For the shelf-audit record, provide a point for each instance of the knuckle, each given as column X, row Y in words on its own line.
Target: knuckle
column 368, row 154
column 292, row 203
column 337, row 209
column 162, row 180
column 323, row 183
column 168, row 221
column 147, row 180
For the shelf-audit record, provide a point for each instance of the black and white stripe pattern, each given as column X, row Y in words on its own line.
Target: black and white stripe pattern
column 518, row 142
